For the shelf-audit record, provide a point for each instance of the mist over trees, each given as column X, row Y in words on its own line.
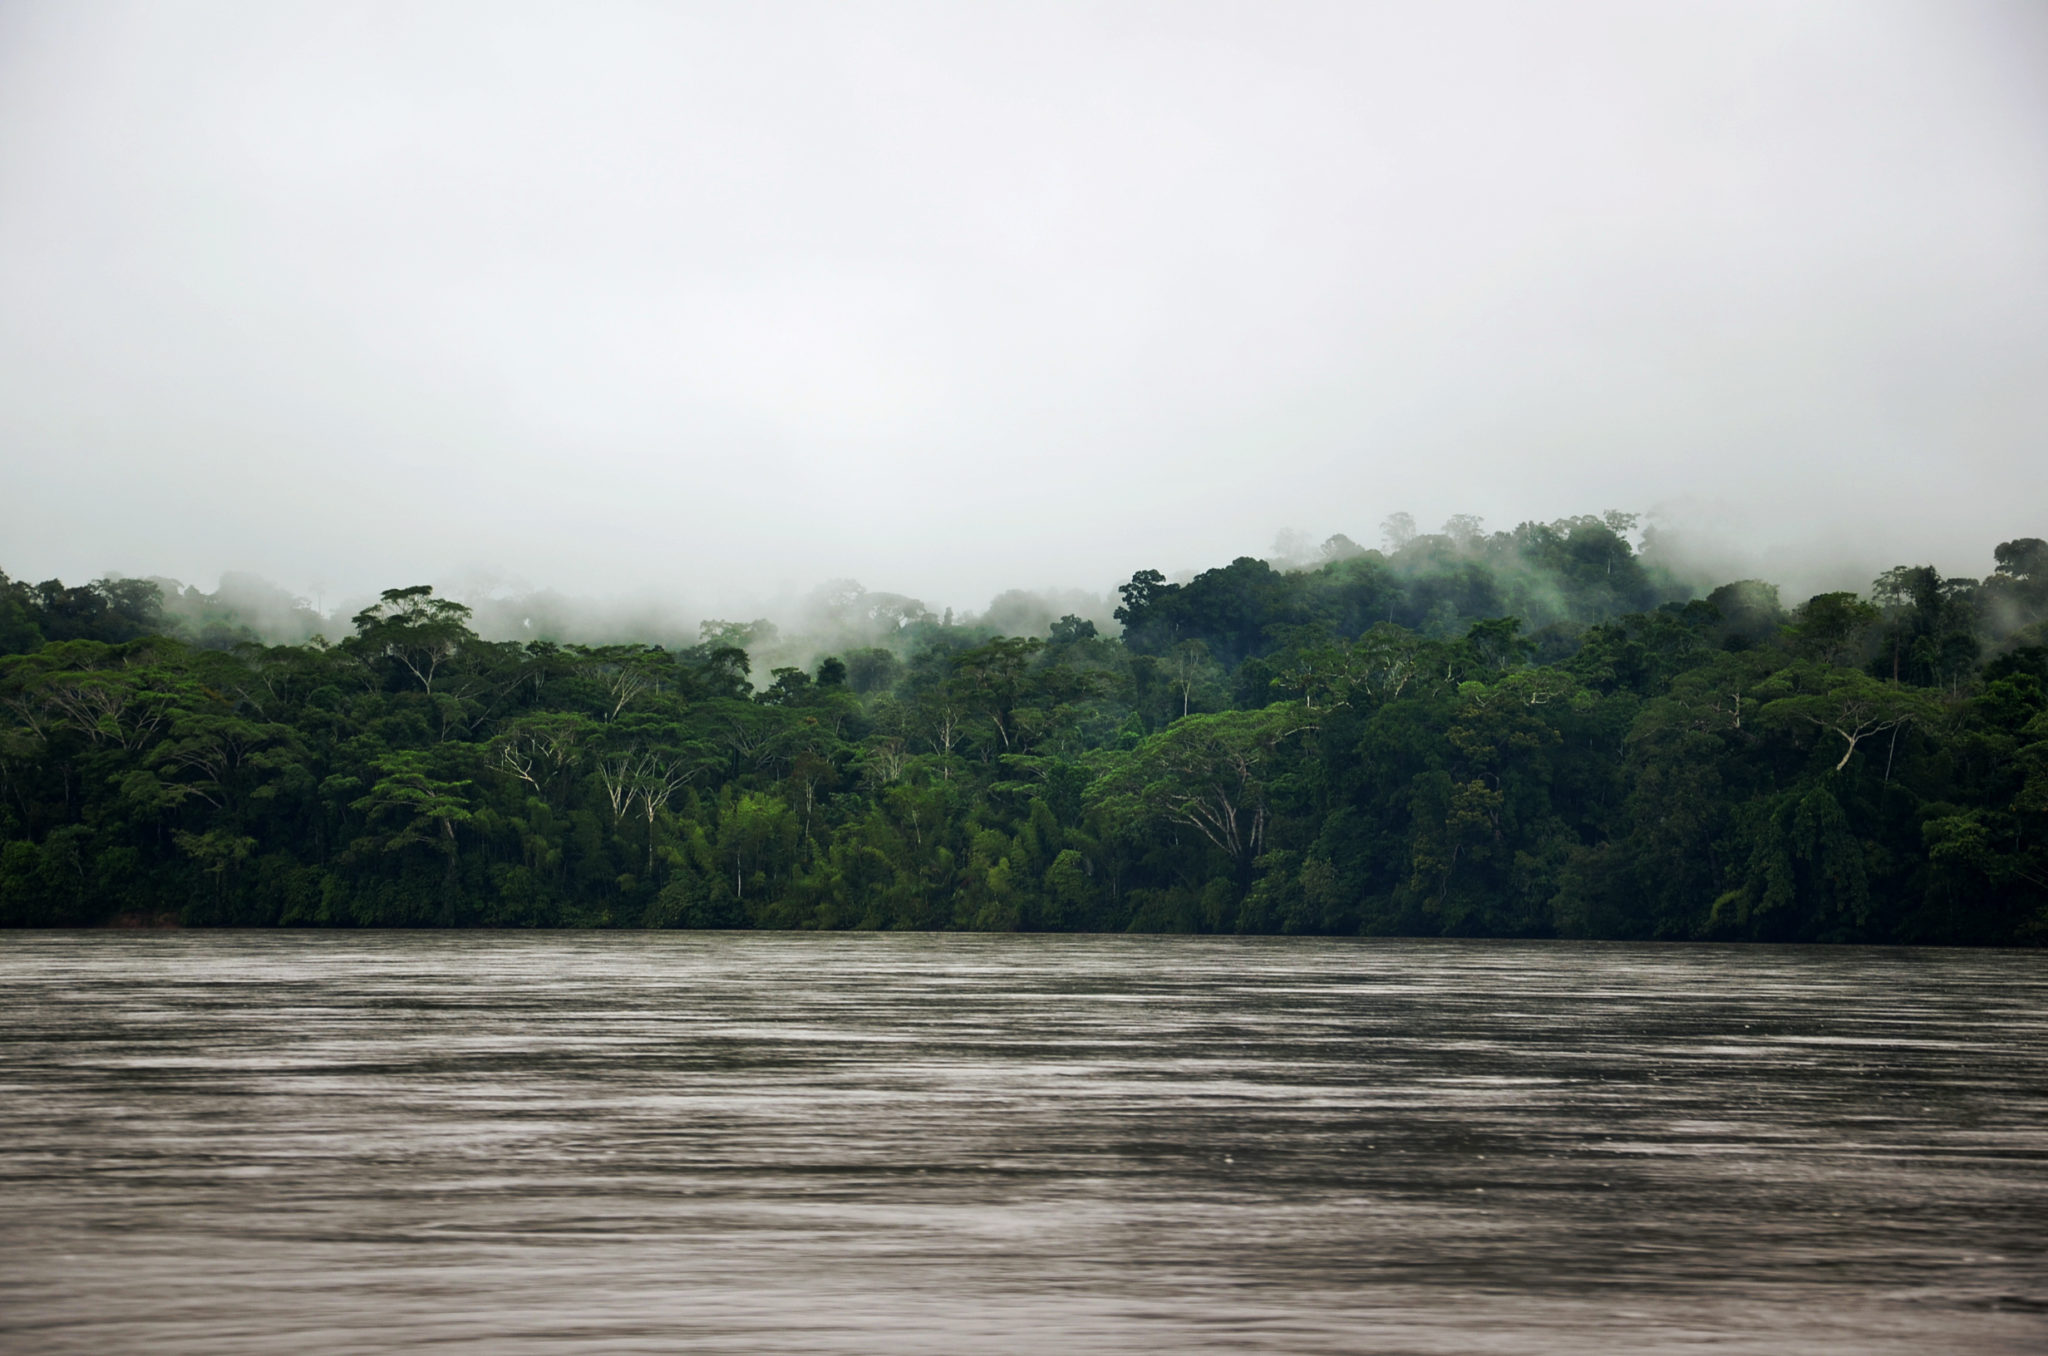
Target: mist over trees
column 1535, row 732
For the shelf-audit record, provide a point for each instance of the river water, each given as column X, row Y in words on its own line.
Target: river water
column 486, row 1142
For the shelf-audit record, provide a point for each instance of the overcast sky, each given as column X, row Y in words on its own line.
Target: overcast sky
column 717, row 300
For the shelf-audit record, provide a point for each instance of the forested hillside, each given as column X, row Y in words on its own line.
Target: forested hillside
column 1527, row 733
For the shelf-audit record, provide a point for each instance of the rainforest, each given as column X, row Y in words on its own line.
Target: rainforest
column 1528, row 733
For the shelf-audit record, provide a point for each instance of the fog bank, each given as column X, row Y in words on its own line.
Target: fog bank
column 707, row 305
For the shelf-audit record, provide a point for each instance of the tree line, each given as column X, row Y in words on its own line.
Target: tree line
column 1518, row 734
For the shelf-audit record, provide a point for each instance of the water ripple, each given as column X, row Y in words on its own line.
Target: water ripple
column 230, row 1143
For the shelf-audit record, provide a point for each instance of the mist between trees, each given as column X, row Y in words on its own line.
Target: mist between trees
column 1526, row 733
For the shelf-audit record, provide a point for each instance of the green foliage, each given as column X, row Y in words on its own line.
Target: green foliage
column 1527, row 733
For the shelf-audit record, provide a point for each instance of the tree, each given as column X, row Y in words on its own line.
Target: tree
column 1146, row 612
column 107, row 610
column 119, row 697
column 541, row 749
column 1497, row 645
column 2014, row 597
column 756, row 833
column 872, row 670
column 1397, row 531
column 418, row 806
column 1466, row 529
column 1849, row 705
column 1930, row 639
column 1749, row 612
column 1560, row 739
column 421, row 632
column 212, row 753
column 1804, row 873
column 623, row 673
column 941, row 716
column 1831, row 626
column 1191, row 667
column 651, row 759
column 1207, row 772
column 1072, row 630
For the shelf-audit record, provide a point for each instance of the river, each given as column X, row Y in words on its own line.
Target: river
column 600, row 1142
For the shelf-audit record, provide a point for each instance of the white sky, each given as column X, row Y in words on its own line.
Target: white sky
column 715, row 301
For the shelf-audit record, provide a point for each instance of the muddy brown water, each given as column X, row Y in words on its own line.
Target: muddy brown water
column 485, row 1142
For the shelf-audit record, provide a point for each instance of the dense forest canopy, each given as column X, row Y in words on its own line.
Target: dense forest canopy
column 1526, row 733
